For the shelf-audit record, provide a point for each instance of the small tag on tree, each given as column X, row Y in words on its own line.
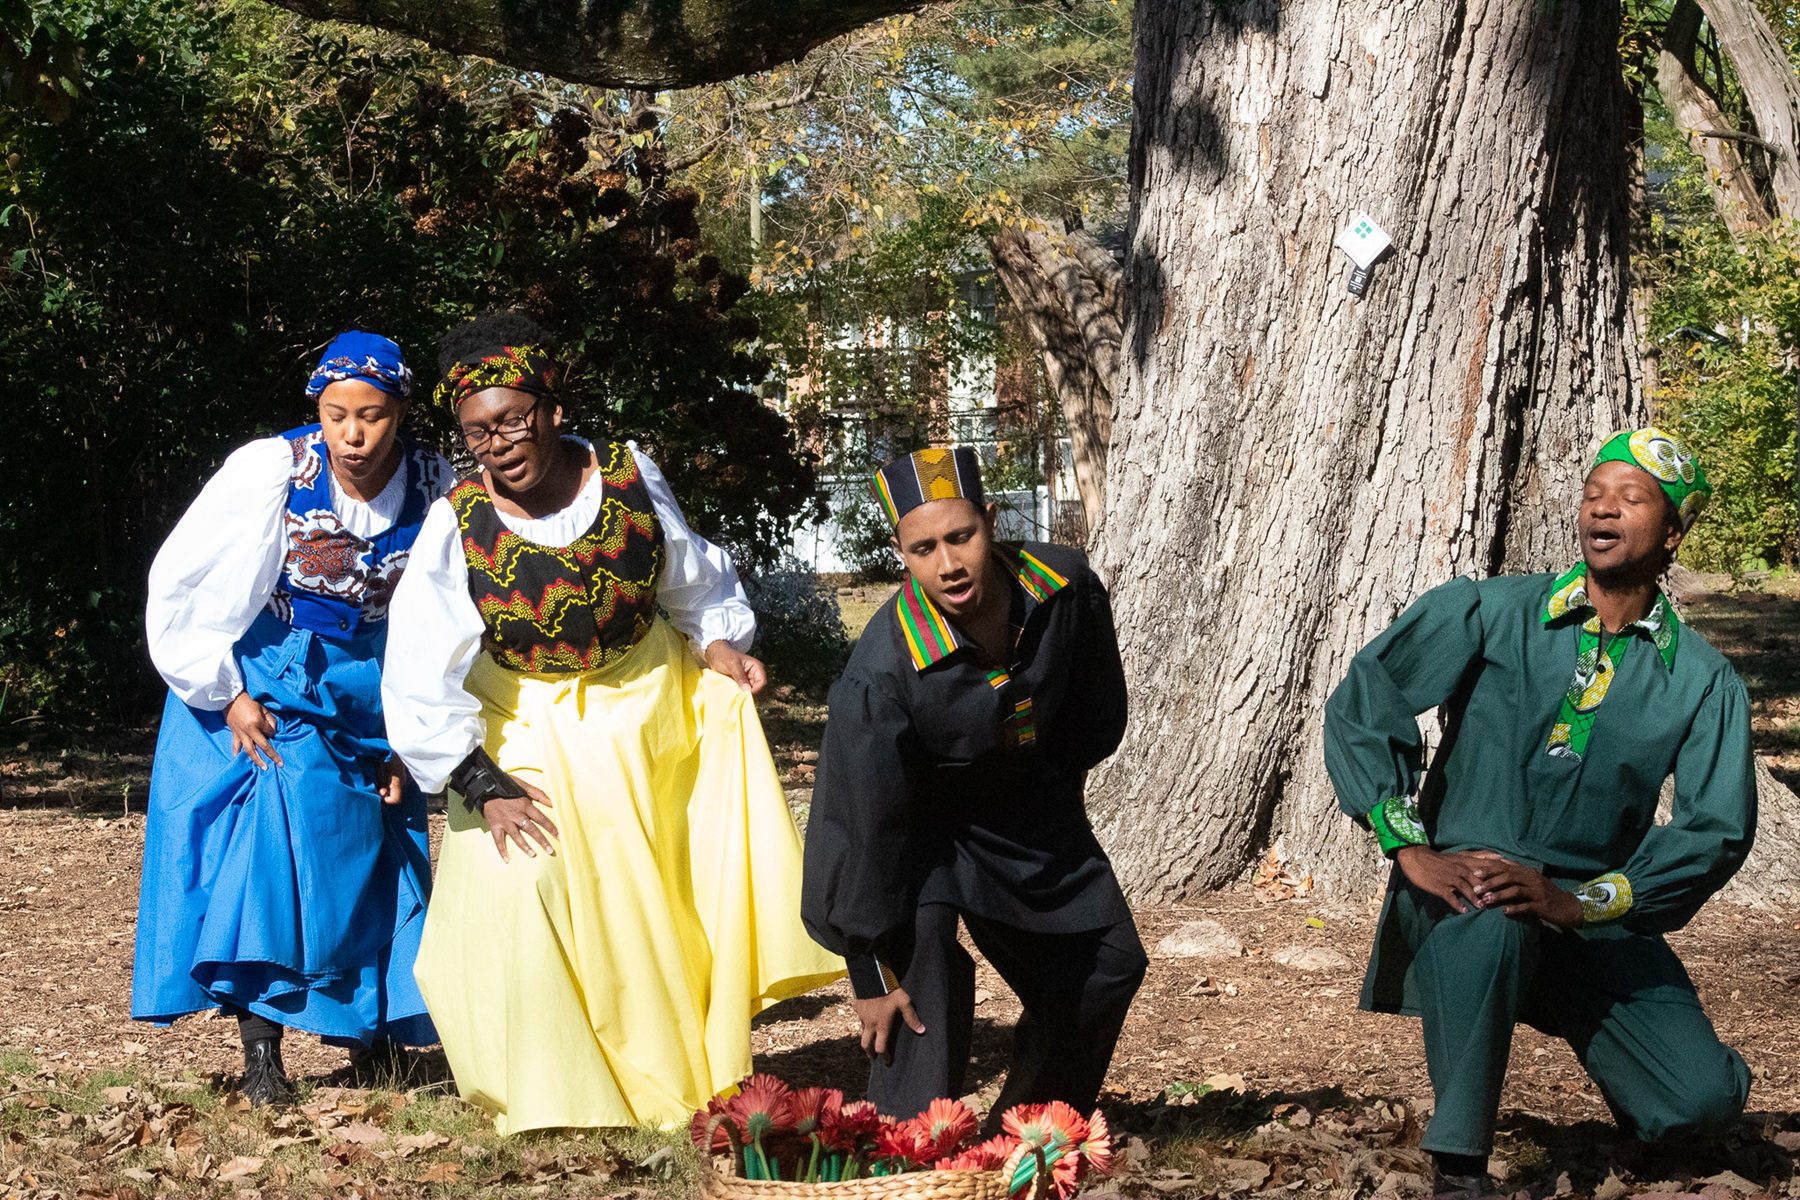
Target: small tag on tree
column 1365, row 242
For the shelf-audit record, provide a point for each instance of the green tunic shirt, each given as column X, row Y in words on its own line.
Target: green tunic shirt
column 1558, row 740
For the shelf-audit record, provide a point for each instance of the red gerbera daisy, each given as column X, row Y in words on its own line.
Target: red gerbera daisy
column 983, row 1156
column 1097, row 1147
column 1019, row 1117
column 763, row 1105
column 903, row 1140
column 721, row 1138
column 947, row 1123
column 853, row 1124
column 813, row 1107
column 1067, row 1126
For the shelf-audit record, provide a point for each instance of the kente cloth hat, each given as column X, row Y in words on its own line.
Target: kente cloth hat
column 366, row 356
column 935, row 473
column 1663, row 455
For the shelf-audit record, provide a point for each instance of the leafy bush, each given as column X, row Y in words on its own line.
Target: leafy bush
column 1727, row 314
column 227, row 186
column 1735, row 405
column 800, row 629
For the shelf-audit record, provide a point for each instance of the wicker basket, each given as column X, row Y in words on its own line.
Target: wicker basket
column 910, row 1185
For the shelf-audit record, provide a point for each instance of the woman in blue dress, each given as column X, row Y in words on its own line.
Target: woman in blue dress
column 285, row 862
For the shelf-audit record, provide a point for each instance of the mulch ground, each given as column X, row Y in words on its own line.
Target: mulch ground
column 1238, row 1074
column 1218, row 1058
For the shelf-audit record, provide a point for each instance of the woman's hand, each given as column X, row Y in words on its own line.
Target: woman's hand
column 391, row 778
column 251, row 726
column 726, row 659
column 520, row 817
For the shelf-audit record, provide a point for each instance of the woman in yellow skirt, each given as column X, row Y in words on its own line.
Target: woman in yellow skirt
column 618, row 888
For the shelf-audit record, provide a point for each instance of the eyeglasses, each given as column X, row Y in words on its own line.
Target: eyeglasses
column 512, row 430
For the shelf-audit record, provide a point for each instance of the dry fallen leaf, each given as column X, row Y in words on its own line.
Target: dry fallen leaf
column 241, row 1167
column 360, row 1132
column 411, row 1142
column 441, row 1172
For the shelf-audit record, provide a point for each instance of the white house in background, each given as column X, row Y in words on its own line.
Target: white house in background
column 975, row 414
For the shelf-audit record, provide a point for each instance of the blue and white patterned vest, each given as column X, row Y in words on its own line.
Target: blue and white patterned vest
column 333, row 582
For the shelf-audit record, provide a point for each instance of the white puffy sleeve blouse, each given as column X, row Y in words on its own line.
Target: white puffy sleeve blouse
column 219, row 565
column 434, row 630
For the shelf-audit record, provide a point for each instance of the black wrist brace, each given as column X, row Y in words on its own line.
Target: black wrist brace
column 479, row 779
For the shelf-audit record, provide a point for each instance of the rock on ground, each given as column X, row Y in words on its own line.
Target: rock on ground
column 1204, row 938
column 1312, row 958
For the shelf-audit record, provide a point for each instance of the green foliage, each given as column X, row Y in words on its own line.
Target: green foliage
column 799, row 627
column 40, row 57
column 872, row 341
column 1736, row 406
column 1733, row 394
column 236, row 185
column 1726, row 315
column 876, row 168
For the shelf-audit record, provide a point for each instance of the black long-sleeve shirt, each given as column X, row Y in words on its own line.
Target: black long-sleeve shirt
column 944, row 780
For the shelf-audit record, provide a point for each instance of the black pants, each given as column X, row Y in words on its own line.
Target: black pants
column 1076, row 988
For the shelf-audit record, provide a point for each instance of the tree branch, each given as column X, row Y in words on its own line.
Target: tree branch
column 618, row 43
column 1732, row 135
column 803, row 96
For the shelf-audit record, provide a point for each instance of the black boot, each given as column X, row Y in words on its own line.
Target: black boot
column 265, row 1079
column 379, row 1064
column 1460, row 1175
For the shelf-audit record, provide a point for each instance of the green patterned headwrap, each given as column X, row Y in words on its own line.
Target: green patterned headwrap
column 1664, row 456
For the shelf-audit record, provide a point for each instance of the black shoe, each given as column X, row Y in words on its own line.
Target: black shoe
column 379, row 1064
column 1460, row 1175
column 265, row 1080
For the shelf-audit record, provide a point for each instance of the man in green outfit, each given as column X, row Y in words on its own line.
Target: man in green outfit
column 1531, row 881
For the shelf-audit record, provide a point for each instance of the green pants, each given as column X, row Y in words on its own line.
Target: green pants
column 1620, row 999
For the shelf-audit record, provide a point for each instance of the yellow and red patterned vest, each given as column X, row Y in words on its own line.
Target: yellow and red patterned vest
column 574, row 608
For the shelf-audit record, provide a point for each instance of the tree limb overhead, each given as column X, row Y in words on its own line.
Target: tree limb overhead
column 618, row 43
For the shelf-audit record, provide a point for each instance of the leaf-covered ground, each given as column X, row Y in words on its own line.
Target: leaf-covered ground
column 1245, row 1068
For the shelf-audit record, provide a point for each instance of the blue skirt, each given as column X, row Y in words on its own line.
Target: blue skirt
column 292, row 892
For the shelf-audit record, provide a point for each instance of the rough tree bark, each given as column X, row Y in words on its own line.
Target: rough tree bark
column 1771, row 89
column 618, row 43
column 1067, row 287
column 1697, row 115
column 1290, row 467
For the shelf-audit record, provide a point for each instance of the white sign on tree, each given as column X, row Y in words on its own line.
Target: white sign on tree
column 1364, row 241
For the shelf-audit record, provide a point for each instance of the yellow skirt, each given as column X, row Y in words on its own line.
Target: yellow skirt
column 613, row 984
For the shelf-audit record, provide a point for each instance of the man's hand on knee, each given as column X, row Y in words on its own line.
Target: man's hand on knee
column 1519, row 891
column 878, row 1017
column 1452, row 878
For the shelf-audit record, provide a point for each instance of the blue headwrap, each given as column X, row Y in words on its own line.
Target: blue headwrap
column 366, row 356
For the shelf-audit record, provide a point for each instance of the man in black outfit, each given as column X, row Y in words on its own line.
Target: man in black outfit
column 950, row 787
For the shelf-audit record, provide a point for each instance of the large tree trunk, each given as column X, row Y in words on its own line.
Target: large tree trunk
column 1290, row 467
column 1067, row 287
column 1771, row 90
column 1700, row 119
